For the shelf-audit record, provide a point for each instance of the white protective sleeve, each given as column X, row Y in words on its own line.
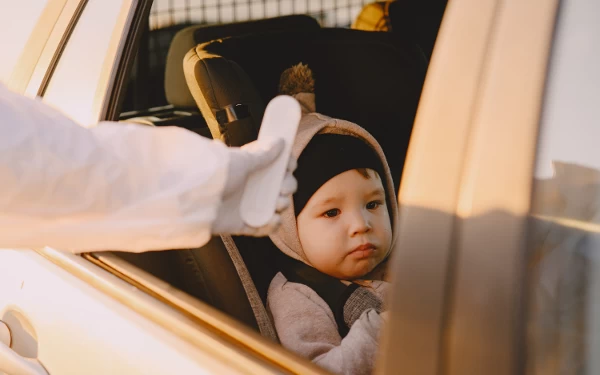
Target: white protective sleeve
column 115, row 186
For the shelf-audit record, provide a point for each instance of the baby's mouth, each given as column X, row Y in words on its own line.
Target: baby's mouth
column 363, row 251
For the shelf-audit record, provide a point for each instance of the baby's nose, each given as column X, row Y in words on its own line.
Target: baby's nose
column 360, row 223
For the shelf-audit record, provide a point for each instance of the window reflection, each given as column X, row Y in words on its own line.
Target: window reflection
column 563, row 325
column 565, row 237
column 563, row 321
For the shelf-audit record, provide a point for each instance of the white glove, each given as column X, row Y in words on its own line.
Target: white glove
column 242, row 162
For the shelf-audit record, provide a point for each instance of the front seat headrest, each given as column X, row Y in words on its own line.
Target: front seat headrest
column 176, row 90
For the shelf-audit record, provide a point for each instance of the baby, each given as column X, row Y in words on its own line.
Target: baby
column 326, row 301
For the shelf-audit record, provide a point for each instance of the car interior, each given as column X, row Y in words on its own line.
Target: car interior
column 215, row 80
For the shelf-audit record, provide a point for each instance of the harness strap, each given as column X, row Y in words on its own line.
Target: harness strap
column 330, row 289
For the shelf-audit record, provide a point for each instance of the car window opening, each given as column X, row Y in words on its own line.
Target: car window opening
column 211, row 68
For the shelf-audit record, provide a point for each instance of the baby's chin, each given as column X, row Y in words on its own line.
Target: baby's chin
column 346, row 274
column 373, row 271
column 359, row 271
column 352, row 270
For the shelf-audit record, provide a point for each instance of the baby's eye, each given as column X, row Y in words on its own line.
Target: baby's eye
column 332, row 213
column 373, row 205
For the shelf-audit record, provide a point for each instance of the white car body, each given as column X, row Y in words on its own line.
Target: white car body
column 458, row 290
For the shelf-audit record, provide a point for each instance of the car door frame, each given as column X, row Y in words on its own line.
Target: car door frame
column 116, row 62
column 44, row 45
column 188, row 319
column 195, row 324
column 459, row 263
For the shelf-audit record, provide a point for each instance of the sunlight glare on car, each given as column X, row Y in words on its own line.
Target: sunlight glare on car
column 17, row 21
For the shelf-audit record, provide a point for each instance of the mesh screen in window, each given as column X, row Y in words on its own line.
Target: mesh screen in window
column 330, row 13
column 167, row 17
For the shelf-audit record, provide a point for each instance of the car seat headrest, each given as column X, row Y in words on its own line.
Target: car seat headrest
column 176, row 89
column 226, row 97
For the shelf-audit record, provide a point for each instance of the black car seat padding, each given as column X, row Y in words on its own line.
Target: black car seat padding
column 371, row 78
column 416, row 20
column 176, row 90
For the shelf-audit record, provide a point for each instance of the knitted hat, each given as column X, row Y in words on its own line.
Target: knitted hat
column 326, row 156
column 324, row 148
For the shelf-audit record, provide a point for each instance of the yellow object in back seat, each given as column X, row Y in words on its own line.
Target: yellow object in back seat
column 374, row 17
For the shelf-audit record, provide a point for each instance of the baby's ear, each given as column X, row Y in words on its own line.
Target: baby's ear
column 297, row 79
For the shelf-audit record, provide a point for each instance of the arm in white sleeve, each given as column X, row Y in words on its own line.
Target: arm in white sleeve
column 112, row 187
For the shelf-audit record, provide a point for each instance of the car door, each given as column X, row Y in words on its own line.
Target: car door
column 60, row 313
column 16, row 30
column 460, row 276
column 33, row 37
column 95, row 59
column 67, row 316
column 459, row 268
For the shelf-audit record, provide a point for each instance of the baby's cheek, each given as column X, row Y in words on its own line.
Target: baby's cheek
column 386, row 233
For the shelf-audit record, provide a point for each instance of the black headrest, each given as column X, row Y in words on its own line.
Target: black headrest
column 370, row 78
column 418, row 20
column 175, row 87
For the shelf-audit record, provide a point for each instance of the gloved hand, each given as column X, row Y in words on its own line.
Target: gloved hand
column 242, row 162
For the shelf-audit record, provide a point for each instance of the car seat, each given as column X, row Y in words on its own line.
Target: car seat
column 181, row 109
column 373, row 79
column 416, row 20
column 214, row 273
column 146, row 80
column 176, row 88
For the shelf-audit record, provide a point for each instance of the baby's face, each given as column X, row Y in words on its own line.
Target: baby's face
column 345, row 227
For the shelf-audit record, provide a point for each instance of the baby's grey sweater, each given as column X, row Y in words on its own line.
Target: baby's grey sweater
column 305, row 324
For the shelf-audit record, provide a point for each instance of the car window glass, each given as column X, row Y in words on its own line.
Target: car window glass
column 563, row 326
column 17, row 21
